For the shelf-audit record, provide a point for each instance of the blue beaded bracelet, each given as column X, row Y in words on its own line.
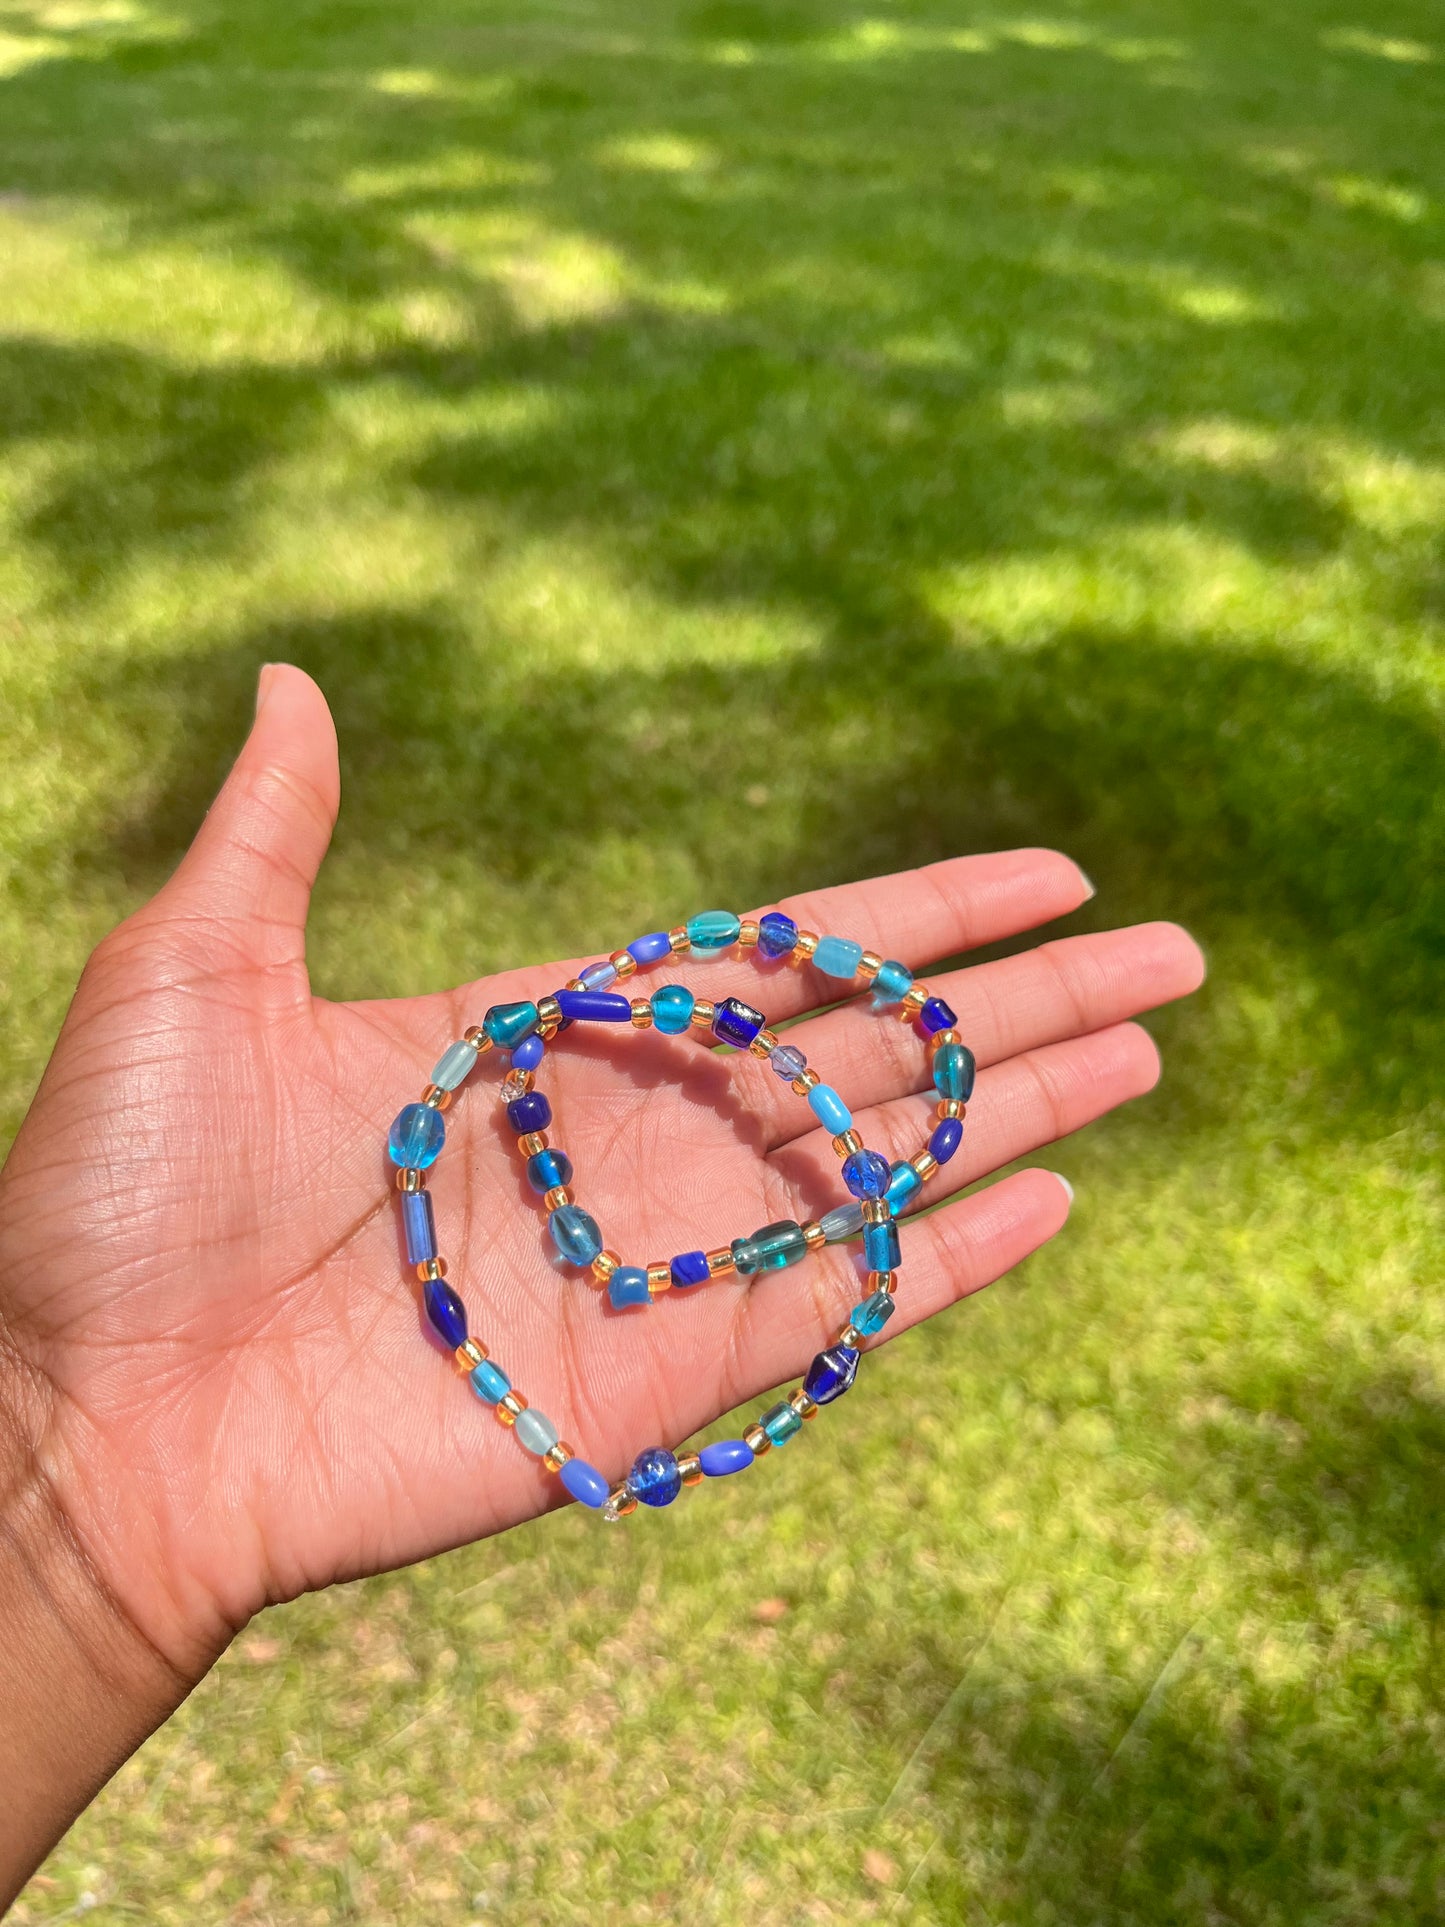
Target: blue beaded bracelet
column 879, row 1190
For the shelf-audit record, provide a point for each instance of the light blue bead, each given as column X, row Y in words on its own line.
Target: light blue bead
column 575, row 1234
column 714, row 930
column 830, row 1110
column 787, row 1061
column 417, row 1136
column 781, row 1423
column 872, row 1315
column 843, row 1222
column 489, row 1382
column 598, row 976
column 892, row 984
column 837, row 957
column 535, row 1431
column 672, row 1007
column 584, row 1482
column 454, row 1065
column 903, row 1185
column 627, row 1286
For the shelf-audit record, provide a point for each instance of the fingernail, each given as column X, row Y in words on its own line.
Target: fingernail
column 1065, row 1183
column 1090, row 891
column 263, row 683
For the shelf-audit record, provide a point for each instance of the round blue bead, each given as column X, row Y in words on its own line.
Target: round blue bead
column 446, row 1311
column 724, row 1456
column 953, row 1071
column 947, row 1136
column 831, row 1374
column 866, row 1174
column 584, row 1482
column 529, row 1053
column 777, row 934
column 628, row 1286
column 892, row 983
column 713, row 930
column 489, row 1382
column 417, row 1135
column 575, row 1234
column 654, row 1478
column 529, row 1112
column 547, row 1169
column 650, row 949
column 672, row 1006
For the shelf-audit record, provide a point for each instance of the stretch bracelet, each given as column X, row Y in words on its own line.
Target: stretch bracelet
column 878, row 1190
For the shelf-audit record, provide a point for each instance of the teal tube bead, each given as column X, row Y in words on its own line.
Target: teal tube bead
column 713, row 929
column 508, row 1024
column 872, row 1315
column 575, row 1234
column 746, row 1257
column 830, row 1110
column 535, row 1431
column 781, row 1423
column 779, row 1245
column 953, row 1071
column 455, row 1065
column 892, row 984
column 881, row 1249
column 903, row 1185
column 837, row 956
column 672, row 1007
column 489, row 1382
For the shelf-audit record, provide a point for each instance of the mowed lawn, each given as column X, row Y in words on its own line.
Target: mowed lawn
column 708, row 449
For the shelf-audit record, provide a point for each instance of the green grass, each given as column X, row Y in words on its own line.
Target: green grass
column 705, row 450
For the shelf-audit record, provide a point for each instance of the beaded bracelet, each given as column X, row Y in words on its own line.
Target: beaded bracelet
column 879, row 1190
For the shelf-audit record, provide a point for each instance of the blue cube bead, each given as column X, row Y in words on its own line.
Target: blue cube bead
column 830, row 1110
column 713, row 930
column 736, row 1023
column 904, row 1184
column 892, row 983
column 947, row 1136
column 837, row 956
column 652, row 948
column 781, row 1423
column 690, row 1268
column 417, row 1135
column 529, row 1053
column 953, row 1071
column 672, row 1007
column 724, row 1456
column 936, row 1015
column 873, row 1314
column 597, row 976
column 419, row 1225
column 547, row 1169
column 508, row 1024
column 489, row 1382
column 881, row 1250
column 777, row 934
column 446, row 1311
column 529, row 1112
column 843, row 1222
column 575, row 1234
column 866, row 1174
column 584, row 1482
column 787, row 1061
column 654, row 1478
column 595, row 1006
column 628, row 1286
column 454, row 1065
column 831, row 1374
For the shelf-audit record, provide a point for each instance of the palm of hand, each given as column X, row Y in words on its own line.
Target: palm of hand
column 199, row 1250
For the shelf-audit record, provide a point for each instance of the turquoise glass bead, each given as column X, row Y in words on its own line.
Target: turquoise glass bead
column 584, row 1482
column 843, row 1222
column 547, row 1169
column 535, row 1431
column 953, row 1071
column 892, row 984
column 872, row 1315
column 781, row 1423
column 881, row 1250
column 904, row 1184
column 489, row 1382
column 417, row 1135
column 779, row 1245
column 830, row 1110
column 713, row 930
column 837, row 956
column 575, row 1234
column 627, row 1286
column 455, row 1064
column 672, row 1007
column 746, row 1257
column 508, row 1024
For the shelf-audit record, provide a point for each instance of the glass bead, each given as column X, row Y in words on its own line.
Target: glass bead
column 672, row 1006
column 489, row 1382
column 628, row 1286
column 891, row 984
column 781, row 1423
column 746, row 1256
column 690, row 1268
column 547, row 1169
column 508, row 1024
column 837, row 956
column 654, row 1478
column 575, row 1234
column 788, row 1061
column 650, row 949
column 953, row 1071
column 446, row 1311
column 830, row 1110
column 598, row 976
column 417, row 1135
column 873, row 1314
column 947, row 1136
column 936, row 1015
column 529, row 1112
column 831, row 1374
column 880, row 1246
column 712, row 930
column 777, row 934
column 535, row 1431
column 724, row 1456
column 843, row 1222
column 455, row 1065
column 780, row 1245
column 595, row 1006
column 585, row 1483
column 419, row 1226
column 527, row 1055
column 904, row 1184
column 736, row 1023
column 866, row 1174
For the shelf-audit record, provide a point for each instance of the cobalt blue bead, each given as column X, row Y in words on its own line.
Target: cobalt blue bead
column 777, row 934
column 417, row 1136
column 446, row 1311
column 627, row 1286
column 529, row 1112
column 881, row 1250
column 904, row 1184
column 672, row 1006
column 724, row 1456
column 713, row 930
column 595, row 1006
column 654, row 1478
column 529, row 1053
column 419, row 1225
column 584, row 1482
column 547, row 1169
column 866, row 1174
column 837, row 956
column 873, row 1314
column 736, row 1023
column 830, row 1110
column 892, row 983
column 831, row 1374
column 953, row 1071
column 508, row 1024
column 936, row 1015
column 575, row 1234
column 788, row 1062
column 598, row 976
column 843, row 1222
column 947, row 1136
column 690, row 1268
column 650, row 949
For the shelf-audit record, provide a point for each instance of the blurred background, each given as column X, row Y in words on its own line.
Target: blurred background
column 706, row 449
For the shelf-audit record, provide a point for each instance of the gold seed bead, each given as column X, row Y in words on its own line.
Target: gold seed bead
column 469, row 1354
column 547, row 1032
column 802, row 950
column 764, row 1044
column 641, row 1014
column 549, row 1011
column 925, row 1164
column 624, row 963
column 436, row 1097
column 942, row 1037
column 510, row 1408
column 814, row 1234
column 720, row 1261
column 757, row 1438
column 850, row 1335
column 679, row 940
column 690, row 1466
column 802, row 1404
column 621, row 1501
column 411, row 1180
column 604, row 1264
column 876, row 1211
column 883, row 1281
column 659, row 1279
column 477, row 1038
column 950, row 1107
column 557, row 1456
column 911, row 1002
column 559, row 1195
column 430, row 1269
column 846, row 1143
column 747, row 933
column 574, row 983
column 517, row 1083
column 869, row 964
column 806, row 1081
column 531, row 1142
column 702, row 1014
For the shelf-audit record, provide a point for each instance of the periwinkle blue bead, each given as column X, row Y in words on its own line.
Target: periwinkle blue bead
column 873, row 1314
column 446, row 1311
column 627, row 1286
column 575, row 1234
column 672, row 1007
column 489, row 1382
column 787, row 1061
column 953, row 1071
column 843, row 1222
column 595, row 1006
column 866, row 1174
column 598, row 976
column 830, row 1110
column 529, row 1112
column 527, row 1055
column 892, row 983
column 650, row 949
column 831, row 1374
column 547, row 1169
column 455, row 1065
column 585, row 1483
column 508, row 1024
column 690, row 1268
column 936, row 1015
column 654, row 1478
column 777, row 934
column 881, row 1251
column 904, row 1184
column 713, row 930
column 725, row 1456
column 419, row 1226
column 417, row 1135
column 947, row 1136
column 837, row 956
column 781, row 1423
column 736, row 1023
